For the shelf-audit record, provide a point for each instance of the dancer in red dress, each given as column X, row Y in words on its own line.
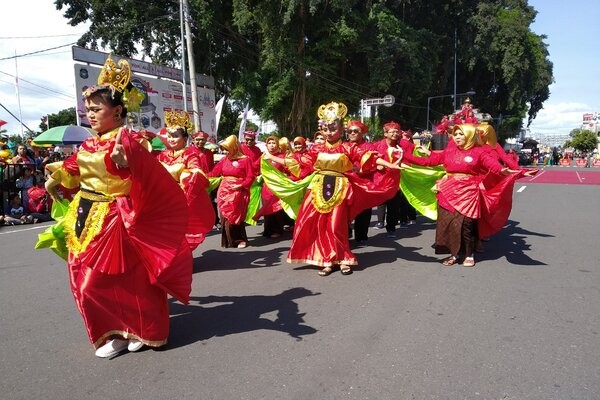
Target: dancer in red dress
column 334, row 197
column 187, row 168
column 461, row 198
column 125, row 229
column 272, row 209
column 233, row 195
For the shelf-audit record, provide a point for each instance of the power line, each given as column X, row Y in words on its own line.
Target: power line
column 39, row 37
column 40, row 86
column 36, row 52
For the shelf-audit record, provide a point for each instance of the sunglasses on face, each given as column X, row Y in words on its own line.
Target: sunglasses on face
column 353, row 130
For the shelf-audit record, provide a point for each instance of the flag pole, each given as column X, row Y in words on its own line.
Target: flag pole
column 18, row 95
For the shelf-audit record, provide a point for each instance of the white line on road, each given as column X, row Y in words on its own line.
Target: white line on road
column 537, row 175
column 23, row 230
column 579, row 177
column 521, row 189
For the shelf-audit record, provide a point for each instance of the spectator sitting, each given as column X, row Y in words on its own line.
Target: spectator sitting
column 15, row 213
column 25, row 182
column 37, row 205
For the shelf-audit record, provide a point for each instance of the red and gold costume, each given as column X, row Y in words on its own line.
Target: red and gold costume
column 335, row 196
column 126, row 246
column 185, row 166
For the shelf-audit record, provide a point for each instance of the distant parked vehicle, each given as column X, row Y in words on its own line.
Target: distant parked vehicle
column 525, row 158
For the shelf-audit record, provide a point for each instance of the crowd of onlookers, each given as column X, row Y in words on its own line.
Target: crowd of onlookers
column 24, row 198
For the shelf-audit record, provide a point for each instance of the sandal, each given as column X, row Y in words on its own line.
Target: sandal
column 345, row 270
column 446, row 262
column 325, row 271
column 242, row 245
column 469, row 262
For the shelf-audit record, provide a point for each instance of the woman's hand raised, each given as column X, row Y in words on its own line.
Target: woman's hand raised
column 118, row 153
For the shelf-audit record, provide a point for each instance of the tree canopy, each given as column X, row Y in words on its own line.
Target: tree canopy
column 583, row 140
column 286, row 57
column 63, row 117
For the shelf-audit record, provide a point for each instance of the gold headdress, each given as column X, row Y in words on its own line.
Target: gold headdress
column 116, row 77
column 113, row 76
column 332, row 111
column 177, row 120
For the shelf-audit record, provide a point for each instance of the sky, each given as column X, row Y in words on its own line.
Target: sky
column 46, row 78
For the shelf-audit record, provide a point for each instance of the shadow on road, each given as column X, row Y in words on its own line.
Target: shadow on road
column 210, row 316
column 511, row 242
column 230, row 259
column 384, row 250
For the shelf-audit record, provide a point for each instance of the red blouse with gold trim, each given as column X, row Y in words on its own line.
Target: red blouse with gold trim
column 185, row 166
column 335, row 196
column 125, row 231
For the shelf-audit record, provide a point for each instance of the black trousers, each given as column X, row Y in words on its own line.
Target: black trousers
column 393, row 212
column 407, row 211
column 361, row 225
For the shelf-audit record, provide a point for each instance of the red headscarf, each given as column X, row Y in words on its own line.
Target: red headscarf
column 357, row 124
column 391, row 125
column 200, row 134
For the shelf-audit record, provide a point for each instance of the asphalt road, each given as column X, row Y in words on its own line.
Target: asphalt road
column 523, row 324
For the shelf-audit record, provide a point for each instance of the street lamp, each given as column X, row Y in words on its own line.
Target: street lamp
column 469, row 93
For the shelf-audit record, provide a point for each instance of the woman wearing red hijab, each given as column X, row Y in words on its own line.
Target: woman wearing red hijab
column 461, row 199
column 237, row 174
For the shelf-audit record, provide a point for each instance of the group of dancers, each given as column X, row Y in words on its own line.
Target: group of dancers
column 129, row 233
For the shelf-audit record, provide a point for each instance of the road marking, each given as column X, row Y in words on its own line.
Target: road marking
column 538, row 175
column 579, row 177
column 521, row 189
column 22, row 230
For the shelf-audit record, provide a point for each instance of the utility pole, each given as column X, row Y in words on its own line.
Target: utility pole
column 192, row 65
column 454, row 98
column 183, row 66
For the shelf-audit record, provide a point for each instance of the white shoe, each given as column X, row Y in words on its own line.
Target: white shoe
column 112, row 348
column 134, row 345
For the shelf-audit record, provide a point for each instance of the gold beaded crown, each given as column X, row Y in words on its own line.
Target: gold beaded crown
column 177, row 120
column 332, row 111
column 112, row 76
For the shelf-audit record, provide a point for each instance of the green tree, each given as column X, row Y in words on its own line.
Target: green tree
column 286, row 57
column 63, row 117
column 584, row 141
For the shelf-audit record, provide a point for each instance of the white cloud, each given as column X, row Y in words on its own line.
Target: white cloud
column 560, row 118
column 46, row 82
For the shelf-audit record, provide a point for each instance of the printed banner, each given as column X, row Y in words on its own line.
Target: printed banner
column 160, row 95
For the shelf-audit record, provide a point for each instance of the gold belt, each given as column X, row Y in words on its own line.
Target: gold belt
column 93, row 196
column 330, row 173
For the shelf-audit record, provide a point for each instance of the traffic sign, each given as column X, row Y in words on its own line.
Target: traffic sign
column 387, row 100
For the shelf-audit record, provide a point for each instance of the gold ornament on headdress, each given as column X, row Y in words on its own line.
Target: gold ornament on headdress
column 113, row 76
column 177, row 120
column 332, row 111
